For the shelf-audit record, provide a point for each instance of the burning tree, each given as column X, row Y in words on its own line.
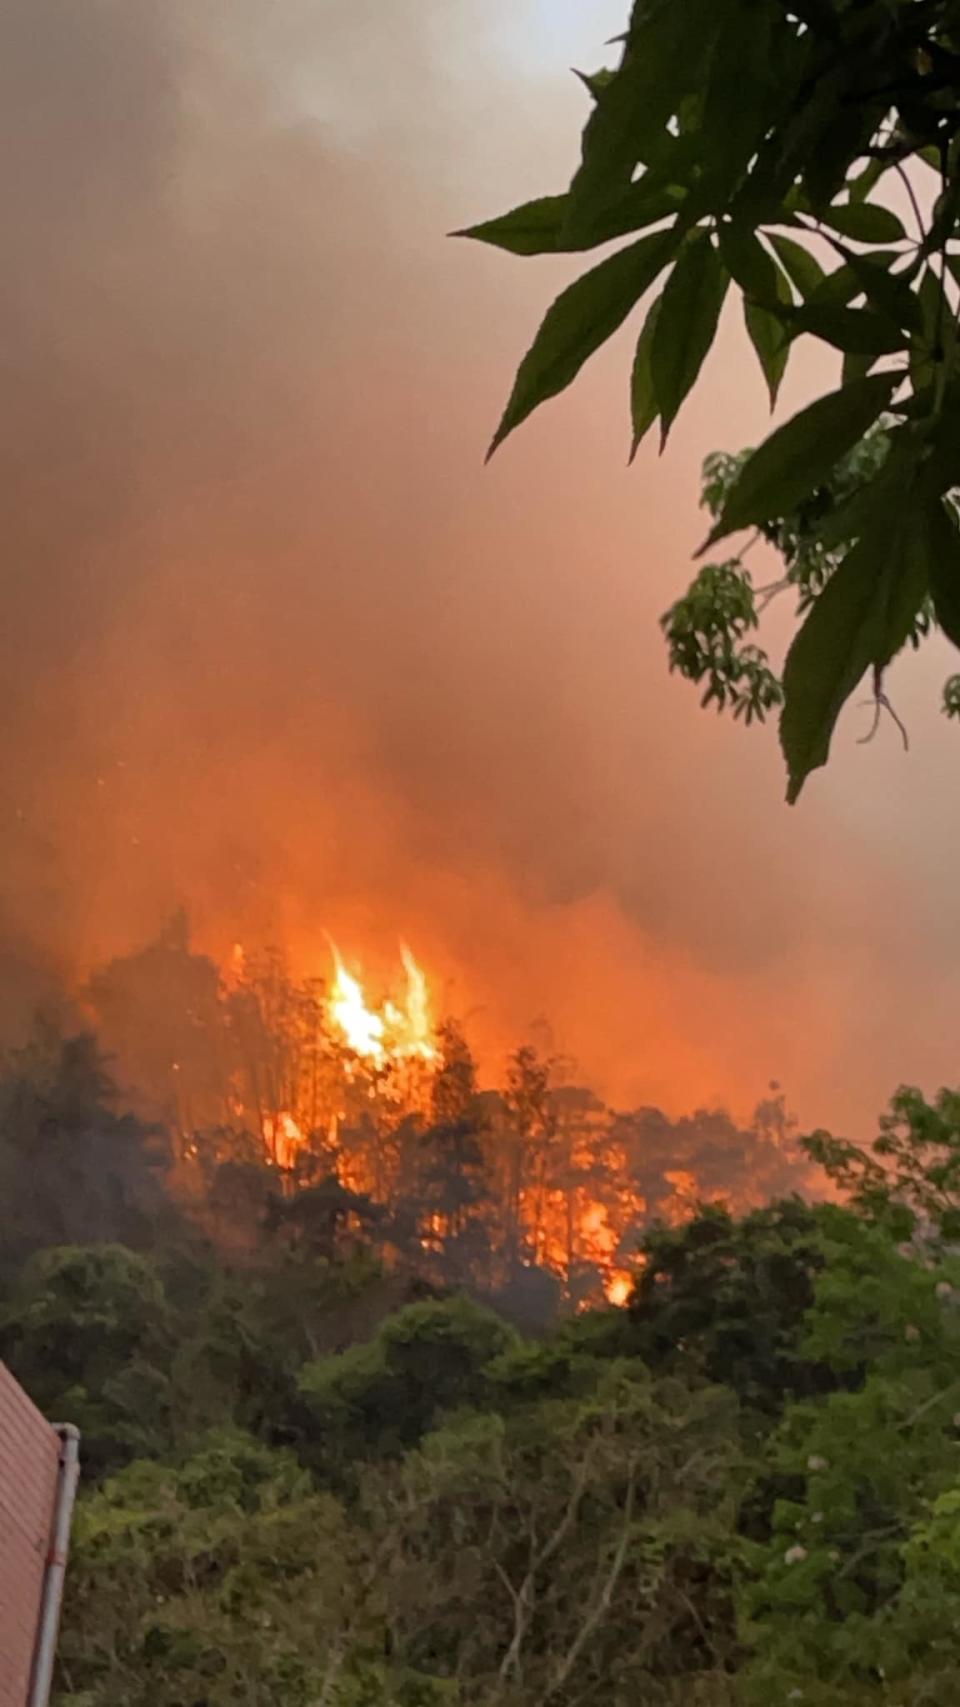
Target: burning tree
column 304, row 1110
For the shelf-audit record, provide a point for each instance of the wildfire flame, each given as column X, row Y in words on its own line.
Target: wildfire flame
column 361, row 1028
column 619, row 1287
column 387, row 1056
column 390, row 1033
column 284, row 1138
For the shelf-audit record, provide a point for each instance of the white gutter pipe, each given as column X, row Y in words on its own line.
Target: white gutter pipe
column 49, row 1625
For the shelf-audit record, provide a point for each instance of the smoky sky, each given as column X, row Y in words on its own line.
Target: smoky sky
column 278, row 647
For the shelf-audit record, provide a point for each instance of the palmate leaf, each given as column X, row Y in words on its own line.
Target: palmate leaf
column 860, row 621
column 889, row 293
column 800, row 454
column 759, row 119
column 745, row 89
column 686, row 326
column 785, row 150
column 667, row 49
column 583, row 317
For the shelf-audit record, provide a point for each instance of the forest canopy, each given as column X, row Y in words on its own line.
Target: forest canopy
column 381, row 1437
column 804, row 155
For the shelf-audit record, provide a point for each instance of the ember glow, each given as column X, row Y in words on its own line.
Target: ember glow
column 618, row 1288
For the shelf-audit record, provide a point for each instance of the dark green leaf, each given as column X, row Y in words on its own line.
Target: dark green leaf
column 854, row 515
column 539, row 227
column 741, row 98
column 953, row 267
column 861, row 620
column 826, row 167
column 856, row 366
column 934, row 309
column 835, row 290
column 944, row 223
column 686, row 325
column 867, row 180
column 666, row 52
column 906, row 581
column 644, row 407
column 865, row 222
column 924, row 347
column 944, row 559
column 889, row 293
column 769, row 337
column 531, row 229
column 747, row 261
column 586, row 314
column 801, row 453
column 858, row 331
column 788, row 149
column 595, row 81
column 802, row 269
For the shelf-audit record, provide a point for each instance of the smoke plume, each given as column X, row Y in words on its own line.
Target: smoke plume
column 278, row 648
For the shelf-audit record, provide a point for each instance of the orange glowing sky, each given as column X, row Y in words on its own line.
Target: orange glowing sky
column 277, row 645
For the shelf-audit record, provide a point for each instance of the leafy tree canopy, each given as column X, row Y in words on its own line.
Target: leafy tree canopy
column 743, row 1488
column 757, row 147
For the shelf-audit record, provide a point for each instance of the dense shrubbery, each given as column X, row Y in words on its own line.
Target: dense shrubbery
column 308, row 1481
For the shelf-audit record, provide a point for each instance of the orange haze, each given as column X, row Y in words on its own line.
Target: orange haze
column 277, row 647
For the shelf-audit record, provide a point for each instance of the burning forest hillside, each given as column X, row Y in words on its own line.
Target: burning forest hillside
column 349, row 1114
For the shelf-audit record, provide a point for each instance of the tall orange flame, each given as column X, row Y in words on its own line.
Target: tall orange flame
column 361, row 1028
column 390, row 1033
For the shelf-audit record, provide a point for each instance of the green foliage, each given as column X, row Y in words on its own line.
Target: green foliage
column 225, row 1579
column 553, row 1548
column 531, row 1553
column 729, row 1299
column 89, row 1332
column 579, row 322
column 909, row 1178
column 859, row 622
column 744, row 132
column 848, row 629
column 800, row 456
column 71, row 1168
column 383, row 1395
column 743, row 1488
column 862, row 1466
column 706, row 632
